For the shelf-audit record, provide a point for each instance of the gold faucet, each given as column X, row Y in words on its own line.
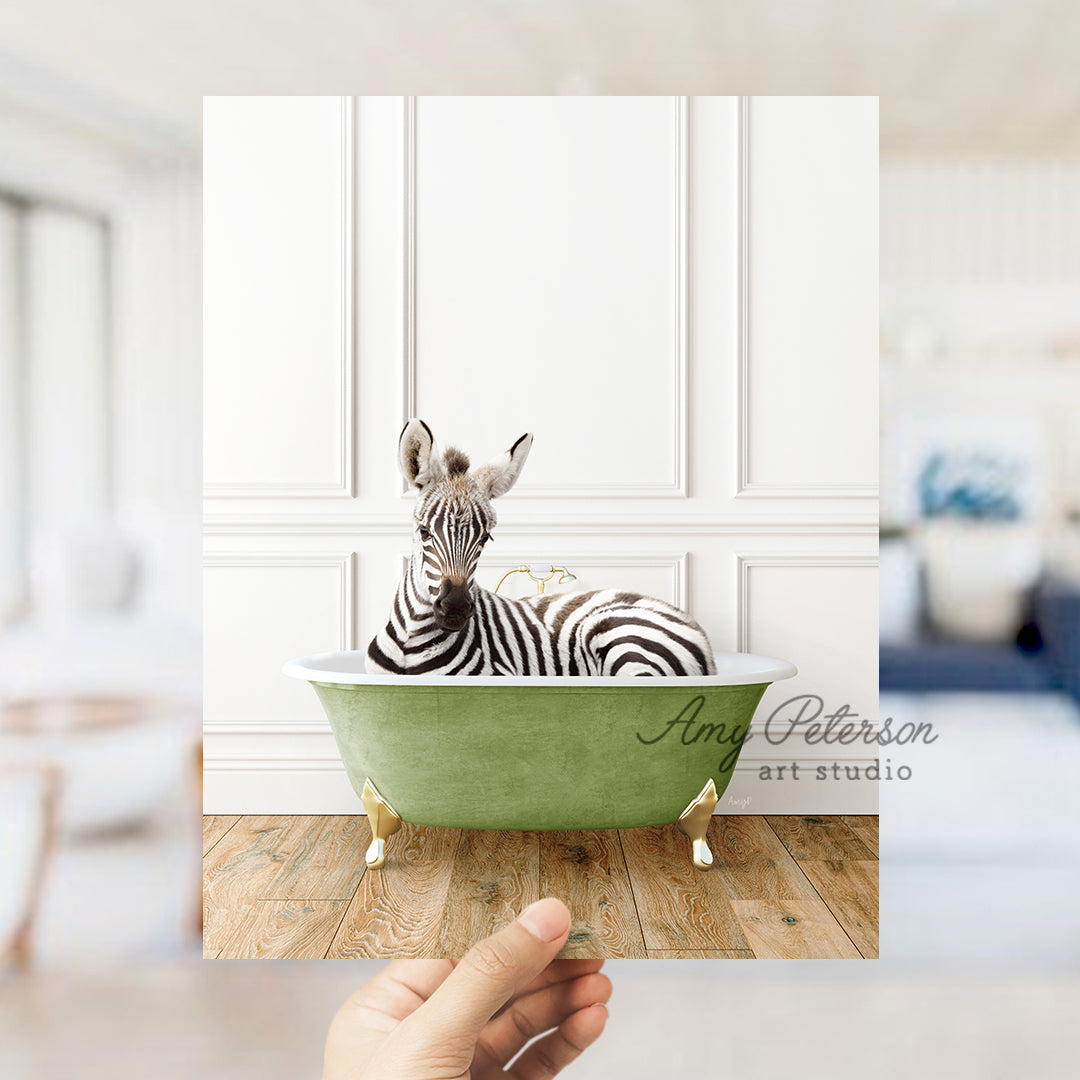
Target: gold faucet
column 548, row 571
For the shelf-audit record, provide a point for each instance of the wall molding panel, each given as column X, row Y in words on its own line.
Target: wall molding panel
column 805, row 795
column 745, row 563
column 343, row 485
column 745, row 486
column 343, row 562
column 315, row 727
column 268, row 763
column 408, row 265
column 677, row 487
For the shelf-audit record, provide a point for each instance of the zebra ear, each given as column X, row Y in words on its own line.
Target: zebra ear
column 418, row 457
column 498, row 476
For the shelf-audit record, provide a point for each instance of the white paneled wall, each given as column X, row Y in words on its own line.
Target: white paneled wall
column 810, row 191
column 277, row 297
column 677, row 296
column 562, row 224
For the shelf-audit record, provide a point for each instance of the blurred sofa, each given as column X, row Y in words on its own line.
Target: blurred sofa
column 1044, row 657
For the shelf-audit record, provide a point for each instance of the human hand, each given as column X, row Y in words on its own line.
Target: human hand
column 466, row 1019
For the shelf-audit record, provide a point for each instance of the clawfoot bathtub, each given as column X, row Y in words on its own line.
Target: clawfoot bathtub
column 539, row 752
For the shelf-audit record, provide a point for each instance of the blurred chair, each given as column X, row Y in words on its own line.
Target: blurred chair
column 106, row 696
column 118, row 755
column 29, row 801
column 101, row 689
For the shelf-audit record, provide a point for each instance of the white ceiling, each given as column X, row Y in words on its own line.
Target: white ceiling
column 954, row 76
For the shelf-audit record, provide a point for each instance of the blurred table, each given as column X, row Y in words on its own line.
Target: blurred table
column 119, row 755
column 71, row 714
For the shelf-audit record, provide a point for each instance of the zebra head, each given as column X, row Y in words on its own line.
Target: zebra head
column 453, row 516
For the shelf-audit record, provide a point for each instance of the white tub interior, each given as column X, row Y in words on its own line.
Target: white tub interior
column 733, row 669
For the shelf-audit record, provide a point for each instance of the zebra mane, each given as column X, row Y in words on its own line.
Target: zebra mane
column 455, row 462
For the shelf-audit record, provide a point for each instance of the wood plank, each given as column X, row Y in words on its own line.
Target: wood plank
column 755, row 865
column 395, row 911
column 587, row 871
column 858, row 821
column 237, row 869
column 633, row 895
column 214, row 827
column 850, row 889
column 285, row 930
column 792, row 932
column 496, row 876
column 679, row 906
column 327, row 863
column 818, row 838
column 700, row 954
column 865, row 827
column 759, row 868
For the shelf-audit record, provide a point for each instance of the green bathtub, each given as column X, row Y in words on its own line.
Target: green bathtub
column 539, row 752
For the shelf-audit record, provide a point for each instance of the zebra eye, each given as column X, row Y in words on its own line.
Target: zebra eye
column 424, row 534
column 486, row 538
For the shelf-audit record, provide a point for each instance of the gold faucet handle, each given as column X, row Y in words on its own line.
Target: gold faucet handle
column 540, row 574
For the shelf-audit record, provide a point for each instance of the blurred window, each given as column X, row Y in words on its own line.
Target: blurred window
column 55, row 382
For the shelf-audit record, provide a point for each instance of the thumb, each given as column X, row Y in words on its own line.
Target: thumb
column 491, row 973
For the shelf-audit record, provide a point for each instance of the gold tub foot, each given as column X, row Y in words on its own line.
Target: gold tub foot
column 384, row 822
column 694, row 821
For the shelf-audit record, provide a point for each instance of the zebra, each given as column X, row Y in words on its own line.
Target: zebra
column 443, row 623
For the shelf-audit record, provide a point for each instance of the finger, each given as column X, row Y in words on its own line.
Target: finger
column 491, row 973
column 548, row 1056
column 532, row 1015
column 558, row 971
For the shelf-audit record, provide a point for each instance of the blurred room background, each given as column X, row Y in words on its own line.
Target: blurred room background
column 99, row 537
column 980, row 546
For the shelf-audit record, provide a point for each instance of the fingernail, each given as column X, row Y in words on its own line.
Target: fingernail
column 547, row 919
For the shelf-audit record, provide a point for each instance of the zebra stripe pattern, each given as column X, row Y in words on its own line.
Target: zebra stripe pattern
column 443, row 623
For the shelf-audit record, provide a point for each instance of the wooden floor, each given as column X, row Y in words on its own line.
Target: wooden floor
column 781, row 887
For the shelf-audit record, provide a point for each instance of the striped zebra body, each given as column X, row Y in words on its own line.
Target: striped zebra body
column 443, row 623
column 604, row 632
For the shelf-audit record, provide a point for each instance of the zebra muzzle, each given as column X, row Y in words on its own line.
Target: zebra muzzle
column 453, row 606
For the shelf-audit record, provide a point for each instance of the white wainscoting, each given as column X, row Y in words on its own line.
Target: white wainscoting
column 552, row 177
column 808, row 238
column 278, row 307
column 685, row 319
